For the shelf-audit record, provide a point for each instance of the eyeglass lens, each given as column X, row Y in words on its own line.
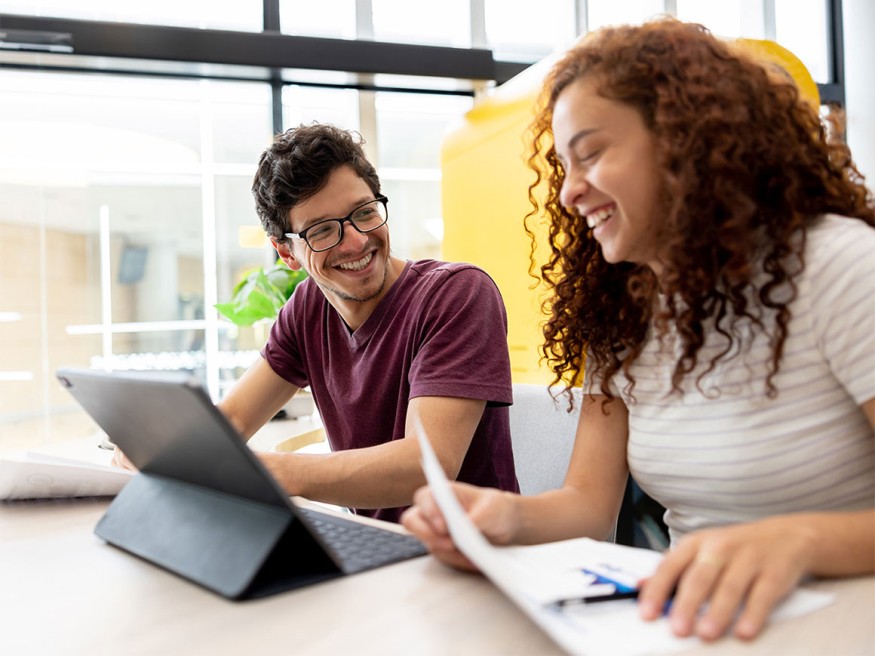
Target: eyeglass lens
column 369, row 216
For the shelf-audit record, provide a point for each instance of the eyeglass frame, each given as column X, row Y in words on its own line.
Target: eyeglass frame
column 340, row 221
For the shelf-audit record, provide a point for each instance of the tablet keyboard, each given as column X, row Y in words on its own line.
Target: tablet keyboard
column 361, row 546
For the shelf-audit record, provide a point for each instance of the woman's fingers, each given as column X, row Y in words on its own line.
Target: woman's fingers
column 770, row 587
column 426, row 522
column 657, row 590
column 730, row 590
column 428, row 511
column 734, row 574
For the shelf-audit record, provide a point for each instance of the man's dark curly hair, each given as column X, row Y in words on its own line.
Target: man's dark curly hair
column 745, row 166
column 297, row 166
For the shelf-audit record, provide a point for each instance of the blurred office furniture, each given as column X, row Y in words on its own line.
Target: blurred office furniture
column 542, row 434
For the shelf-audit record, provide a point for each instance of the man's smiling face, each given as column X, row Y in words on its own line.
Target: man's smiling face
column 356, row 271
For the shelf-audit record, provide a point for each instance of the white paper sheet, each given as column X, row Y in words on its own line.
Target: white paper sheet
column 38, row 476
column 534, row 576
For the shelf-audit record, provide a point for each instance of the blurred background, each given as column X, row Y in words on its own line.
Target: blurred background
column 129, row 134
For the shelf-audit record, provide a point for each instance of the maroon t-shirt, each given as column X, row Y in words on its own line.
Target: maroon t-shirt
column 441, row 330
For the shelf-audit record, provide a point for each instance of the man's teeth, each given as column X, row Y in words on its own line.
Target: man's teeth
column 358, row 264
column 595, row 219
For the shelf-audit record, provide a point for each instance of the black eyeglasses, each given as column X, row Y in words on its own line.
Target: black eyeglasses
column 328, row 233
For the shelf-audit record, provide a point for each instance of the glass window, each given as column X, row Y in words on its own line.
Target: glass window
column 415, row 220
column 240, row 246
column 326, row 18
column 242, row 15
column 611, row 12
column 308, row 104
column 410, row 130
column 801, row 27
column 236, row 122
column 444, row 23
column 411, row 127
column 111, row 194
column 722, row 18
column 155, row 228
column 517, row 30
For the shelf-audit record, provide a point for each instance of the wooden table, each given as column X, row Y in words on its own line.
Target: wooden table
column 63, row 591
column 291, row 435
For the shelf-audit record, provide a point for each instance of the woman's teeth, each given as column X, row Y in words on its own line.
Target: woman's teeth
column 595, row 219
column 358, row 264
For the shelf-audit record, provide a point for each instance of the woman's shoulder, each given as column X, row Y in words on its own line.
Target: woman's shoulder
column 832, row 235
column 839, row 262
column 835, row 224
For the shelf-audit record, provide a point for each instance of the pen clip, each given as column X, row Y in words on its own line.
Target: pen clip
column 600, row 577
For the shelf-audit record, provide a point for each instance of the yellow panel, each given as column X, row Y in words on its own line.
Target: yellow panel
column 769, row 52
column 485, row 200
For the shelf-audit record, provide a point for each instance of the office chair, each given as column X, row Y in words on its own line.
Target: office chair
column 542, row 436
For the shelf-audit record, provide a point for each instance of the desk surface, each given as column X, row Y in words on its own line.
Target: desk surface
column 64, row 591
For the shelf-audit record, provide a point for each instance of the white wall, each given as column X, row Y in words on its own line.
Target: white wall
column 859, row 19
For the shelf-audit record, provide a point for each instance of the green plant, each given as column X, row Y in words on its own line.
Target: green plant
column 261, row 294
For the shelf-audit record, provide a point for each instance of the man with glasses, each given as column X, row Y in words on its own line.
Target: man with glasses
column 380, row 341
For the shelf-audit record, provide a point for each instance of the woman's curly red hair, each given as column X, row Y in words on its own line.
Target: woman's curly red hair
column 746, row 165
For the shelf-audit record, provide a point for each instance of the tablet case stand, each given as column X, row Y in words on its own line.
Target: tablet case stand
column 236, row 547
column 202, row 505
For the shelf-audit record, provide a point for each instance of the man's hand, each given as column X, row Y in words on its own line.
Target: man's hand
column 119, row 459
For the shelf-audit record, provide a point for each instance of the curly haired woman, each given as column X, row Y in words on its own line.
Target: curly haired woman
column 712, row 260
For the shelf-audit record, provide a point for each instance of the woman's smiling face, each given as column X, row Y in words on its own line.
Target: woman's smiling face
column 611, row 174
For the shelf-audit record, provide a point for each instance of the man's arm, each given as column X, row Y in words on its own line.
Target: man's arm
column 383, row 476
column 256, row 398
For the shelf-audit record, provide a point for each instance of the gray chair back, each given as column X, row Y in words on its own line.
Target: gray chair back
column 542, row 435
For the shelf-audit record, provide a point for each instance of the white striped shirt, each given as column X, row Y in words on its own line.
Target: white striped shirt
column 729, row 453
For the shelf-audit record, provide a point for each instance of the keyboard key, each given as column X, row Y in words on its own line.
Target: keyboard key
column 361, row 546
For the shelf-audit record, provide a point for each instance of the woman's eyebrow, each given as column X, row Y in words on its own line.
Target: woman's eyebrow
column 582, row 134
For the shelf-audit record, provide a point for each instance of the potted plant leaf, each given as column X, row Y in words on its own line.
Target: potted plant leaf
column 258, row 297
column 261, row 293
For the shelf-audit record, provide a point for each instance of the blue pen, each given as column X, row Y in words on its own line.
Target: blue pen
column 612, row 576
column 622, row 589
column 617, row 589
column 611, row 596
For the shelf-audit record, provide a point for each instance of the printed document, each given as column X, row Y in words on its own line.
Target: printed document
column 536, row 577
column 39, row 476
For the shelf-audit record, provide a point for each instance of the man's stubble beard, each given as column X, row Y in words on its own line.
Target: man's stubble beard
column 357, row 299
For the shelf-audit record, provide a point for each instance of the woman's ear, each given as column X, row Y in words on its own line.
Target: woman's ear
column 285, row 254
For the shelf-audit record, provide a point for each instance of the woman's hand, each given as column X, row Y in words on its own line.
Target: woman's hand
column 492, row 511
column 742, row 570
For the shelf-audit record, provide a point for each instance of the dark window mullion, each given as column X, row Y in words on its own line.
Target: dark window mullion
column 272, row 24
column 835, row 28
